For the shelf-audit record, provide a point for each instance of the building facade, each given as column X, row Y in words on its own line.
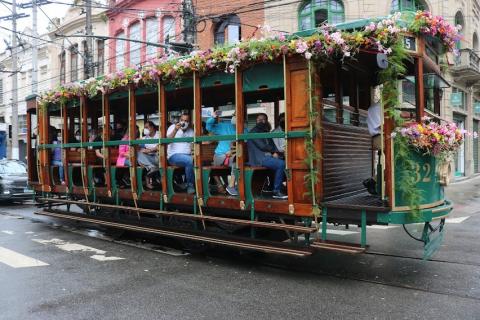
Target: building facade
column 24, row 76
column 460, row 102
column 226, row 22
column 69, row 53
column 155, row 21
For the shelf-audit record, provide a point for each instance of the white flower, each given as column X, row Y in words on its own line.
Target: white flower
column 308, row 55
column 393, row 135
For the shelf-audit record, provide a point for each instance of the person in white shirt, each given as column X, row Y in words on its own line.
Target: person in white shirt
column 180, row 153
column 147, row 156
column 280, row 142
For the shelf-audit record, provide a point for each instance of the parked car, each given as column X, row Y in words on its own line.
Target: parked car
column 13, row 181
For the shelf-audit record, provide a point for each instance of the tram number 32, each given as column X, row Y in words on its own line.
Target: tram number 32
column 422, row 173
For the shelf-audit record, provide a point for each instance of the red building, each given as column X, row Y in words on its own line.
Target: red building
column 226, row 21
column 157, row 21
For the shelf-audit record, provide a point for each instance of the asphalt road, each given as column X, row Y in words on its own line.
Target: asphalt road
column 53, row 269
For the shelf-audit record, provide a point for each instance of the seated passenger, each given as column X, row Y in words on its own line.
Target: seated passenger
column 120, row 127
column 262, row 152
column 223, row 155
column 94, row 135
column 123, row 159
column 180, row 153
column 147, row 156
column 57, row 154
column 280, row 142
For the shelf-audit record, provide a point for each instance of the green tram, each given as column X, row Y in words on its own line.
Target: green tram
column 327, row 155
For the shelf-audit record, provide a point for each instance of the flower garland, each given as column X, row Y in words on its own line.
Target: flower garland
column 328, row 43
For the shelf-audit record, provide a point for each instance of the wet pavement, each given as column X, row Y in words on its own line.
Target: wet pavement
column 54, row 269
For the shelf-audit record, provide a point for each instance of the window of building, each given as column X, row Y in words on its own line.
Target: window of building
column 120, row 52
column 74, row 63
column 314, row 13
column 228, row 26
column 1, row 91
column 85, row 51
column 475, row 43
column 100, row 57
column 152, row 36
column 407, row 5
column 459, row 21
column 22, row 124
column 135, row 47
column 168, row 29
column 457, row 98
column 62, row 67
column 43, row 71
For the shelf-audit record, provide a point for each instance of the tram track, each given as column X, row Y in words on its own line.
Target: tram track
column 266, row 260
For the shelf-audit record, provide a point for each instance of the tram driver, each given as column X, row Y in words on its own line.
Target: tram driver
column 374, row 123
column 180, row 153
column 263, row 152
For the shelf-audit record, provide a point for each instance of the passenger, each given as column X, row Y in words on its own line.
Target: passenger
column 280, row 142
column 374, row 123
column 95, row 136
column 57, row 154
column 223, row 154
column 180, row 153
column 262, row 152
column 120, row 127
column 147, row 156
column 123, row 159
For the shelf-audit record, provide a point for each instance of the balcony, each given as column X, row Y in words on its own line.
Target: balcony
column 467, row 66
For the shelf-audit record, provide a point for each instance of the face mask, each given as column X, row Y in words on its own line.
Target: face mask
column 146, row 132
column 233, row 120
column 59, row 138
column 184, row 125
column 78, row 138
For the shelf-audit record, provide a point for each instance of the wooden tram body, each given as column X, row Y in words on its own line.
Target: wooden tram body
column 251, row 220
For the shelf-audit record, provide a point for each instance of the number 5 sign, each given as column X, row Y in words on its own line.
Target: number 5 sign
column 410, row 43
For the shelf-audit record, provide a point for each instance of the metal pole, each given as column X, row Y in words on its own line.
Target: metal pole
column 14, row 116
column 34, row 48
column 89, row 47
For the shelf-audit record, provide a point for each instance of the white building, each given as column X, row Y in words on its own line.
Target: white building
column 68, row 55
column 24, row 76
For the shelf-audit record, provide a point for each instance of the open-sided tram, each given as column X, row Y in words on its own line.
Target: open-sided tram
column 324, row 88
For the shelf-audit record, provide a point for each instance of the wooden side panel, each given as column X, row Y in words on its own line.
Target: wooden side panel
column 240, row 145
column 197, row 148
column 162, row 150
column 347, row 160
column 297, row 118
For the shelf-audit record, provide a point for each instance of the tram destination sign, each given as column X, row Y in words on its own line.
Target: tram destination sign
column 410, row 43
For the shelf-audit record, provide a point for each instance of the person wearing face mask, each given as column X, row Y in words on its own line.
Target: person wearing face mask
column 280, row 142
column 180, row 153
column 147, row 156
column 223, row 155
column 263, row 152
column 57, row 154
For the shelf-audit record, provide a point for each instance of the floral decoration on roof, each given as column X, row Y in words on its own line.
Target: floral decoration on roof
column 328, row 42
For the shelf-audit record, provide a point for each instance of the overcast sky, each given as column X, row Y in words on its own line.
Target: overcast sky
column 52, row 10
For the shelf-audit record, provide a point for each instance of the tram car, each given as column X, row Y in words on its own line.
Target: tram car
column 154, row 149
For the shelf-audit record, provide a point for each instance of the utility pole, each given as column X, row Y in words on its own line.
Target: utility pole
column 14, row 116
column 34, row 48
column 189, row 23
column 88, row 65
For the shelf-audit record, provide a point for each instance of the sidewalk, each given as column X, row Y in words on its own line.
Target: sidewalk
column 465, row 195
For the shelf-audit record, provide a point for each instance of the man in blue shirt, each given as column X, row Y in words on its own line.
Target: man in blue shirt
column 223, row 154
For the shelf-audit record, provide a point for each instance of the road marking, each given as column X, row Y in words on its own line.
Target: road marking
column 8, row 232
column 340, row 232
column 456, row 220
column 17, row 260
column 69, row 247
column 381, row 227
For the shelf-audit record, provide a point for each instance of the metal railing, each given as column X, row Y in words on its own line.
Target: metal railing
column 468, row 58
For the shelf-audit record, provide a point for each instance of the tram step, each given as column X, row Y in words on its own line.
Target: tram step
column 257, row 224
column 247, row 245
column 338, row 246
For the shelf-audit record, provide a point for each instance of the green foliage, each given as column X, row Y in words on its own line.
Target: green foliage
column 391, row 100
